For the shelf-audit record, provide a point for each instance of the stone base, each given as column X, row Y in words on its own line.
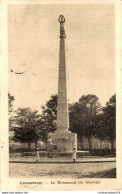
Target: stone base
column 64, row 141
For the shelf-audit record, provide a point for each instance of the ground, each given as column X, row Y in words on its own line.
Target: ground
column 63, row 170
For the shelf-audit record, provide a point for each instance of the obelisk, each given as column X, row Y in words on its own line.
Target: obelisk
column 62, row 110
column 63, row 140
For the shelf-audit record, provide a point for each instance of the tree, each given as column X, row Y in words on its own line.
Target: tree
column 108, row 121
column 10, row 111
column 27, row 126
column 83, row 116
column 49, row 114
column 76, row 120
column 10, row 102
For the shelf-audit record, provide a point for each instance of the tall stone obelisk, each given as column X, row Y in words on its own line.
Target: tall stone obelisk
column 62, row 110
column 62, row 138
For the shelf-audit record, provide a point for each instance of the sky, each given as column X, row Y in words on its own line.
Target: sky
column 33, row 46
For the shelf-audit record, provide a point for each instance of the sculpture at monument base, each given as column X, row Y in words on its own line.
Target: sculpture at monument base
column 63, row 141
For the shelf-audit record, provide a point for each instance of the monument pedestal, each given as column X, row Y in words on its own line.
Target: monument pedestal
column 63, row 141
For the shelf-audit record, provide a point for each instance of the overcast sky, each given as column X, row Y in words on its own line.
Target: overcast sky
column 33, row 40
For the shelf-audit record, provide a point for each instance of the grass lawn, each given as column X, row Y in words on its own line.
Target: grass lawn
column 62, row 170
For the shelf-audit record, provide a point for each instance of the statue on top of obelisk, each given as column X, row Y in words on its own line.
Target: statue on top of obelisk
column 62, row 30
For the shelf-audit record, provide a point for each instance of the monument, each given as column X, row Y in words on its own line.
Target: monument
column 62, row 138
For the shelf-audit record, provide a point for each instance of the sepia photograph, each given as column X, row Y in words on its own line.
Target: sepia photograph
column 60, row 120
column 61, row 93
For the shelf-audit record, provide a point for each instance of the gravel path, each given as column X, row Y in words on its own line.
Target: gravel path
column 61, row 170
